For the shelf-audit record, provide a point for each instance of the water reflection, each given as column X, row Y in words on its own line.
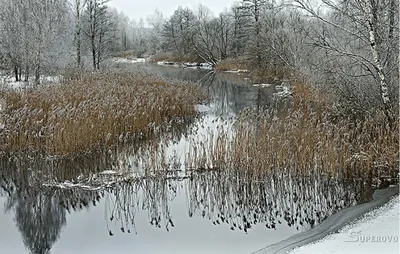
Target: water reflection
column 242, row 201
column 157, row 176
column 40, row 212
column 229, row 93
column 222, row 197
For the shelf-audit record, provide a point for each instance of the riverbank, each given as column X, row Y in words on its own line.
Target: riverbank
column 336, row 222
column 376, row 232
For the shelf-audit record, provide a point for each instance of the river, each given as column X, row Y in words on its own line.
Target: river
column 111, row 203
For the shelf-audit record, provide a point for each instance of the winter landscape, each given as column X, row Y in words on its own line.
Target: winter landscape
column 247, row 126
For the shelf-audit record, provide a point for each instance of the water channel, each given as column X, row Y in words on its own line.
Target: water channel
column 110, row 203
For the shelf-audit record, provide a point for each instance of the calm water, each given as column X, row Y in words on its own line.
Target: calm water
column 149, row 198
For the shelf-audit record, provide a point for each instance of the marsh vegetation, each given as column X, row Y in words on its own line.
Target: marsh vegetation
column 88, row 111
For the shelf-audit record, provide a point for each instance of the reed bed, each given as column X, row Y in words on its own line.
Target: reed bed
column 88, row 111
column 307, row 138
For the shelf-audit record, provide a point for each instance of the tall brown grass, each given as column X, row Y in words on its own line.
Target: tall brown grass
column 306, row 138
column 231, row 64
column 91, row 110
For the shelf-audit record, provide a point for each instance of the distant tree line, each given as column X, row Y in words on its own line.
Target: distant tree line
column 43, row 36
column 351, row 47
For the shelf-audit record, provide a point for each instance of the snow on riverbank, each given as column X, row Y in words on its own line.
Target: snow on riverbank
column 126, row 60
column 376, row 232
column 10, row 83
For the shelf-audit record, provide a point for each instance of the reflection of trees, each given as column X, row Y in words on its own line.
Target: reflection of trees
column 40, row 212
column 39, row 219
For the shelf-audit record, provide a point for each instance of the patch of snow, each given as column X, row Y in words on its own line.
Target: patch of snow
column 108, row 172
column 194, row 65
column 203, row 108
column 18, row 85
column 168, row 63
column 262, row 85
column 376, row 232
column 125, row 60
column 10, row 83
column 240, row 71
column 51, row 79
column 69, row 185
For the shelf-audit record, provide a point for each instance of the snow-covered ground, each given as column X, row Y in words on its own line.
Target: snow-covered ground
column 9, row 82
column 263, row 85
column 125, row 60
column 194, row 65
column 376, row 232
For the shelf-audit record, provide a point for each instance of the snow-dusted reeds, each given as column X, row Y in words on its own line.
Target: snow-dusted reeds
column 308, row 138
column 91, row 110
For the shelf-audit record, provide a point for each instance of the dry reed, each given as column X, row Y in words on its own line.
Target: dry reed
column 306, row 138
column 91, row 110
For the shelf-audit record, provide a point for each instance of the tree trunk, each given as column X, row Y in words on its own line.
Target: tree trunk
column 93, row 51
column 37, row 75
column 26, row 76
column 78, row 34
column 372, row 24
column 16, row 73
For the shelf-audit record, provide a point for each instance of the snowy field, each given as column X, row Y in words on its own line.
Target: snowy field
column 376, row 232
column 10, row 83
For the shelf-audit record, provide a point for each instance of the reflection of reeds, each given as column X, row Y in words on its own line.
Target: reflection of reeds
column 91, row 110
column 239, row 200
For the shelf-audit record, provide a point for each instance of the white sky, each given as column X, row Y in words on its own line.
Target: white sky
column 136, row 9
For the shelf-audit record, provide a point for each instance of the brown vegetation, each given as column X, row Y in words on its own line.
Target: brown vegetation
column 307, row 137
column 231, row 64
column 88, row 110
column 171, row 57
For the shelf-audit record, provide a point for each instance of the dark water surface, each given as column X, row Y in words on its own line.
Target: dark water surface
column 150, row 198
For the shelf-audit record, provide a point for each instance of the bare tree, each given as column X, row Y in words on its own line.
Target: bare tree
column 98, row 29
column 29, row 30
column 204, row 38
column 79, row 6
column 349, row 28
column 178, row 31
column 156, row 21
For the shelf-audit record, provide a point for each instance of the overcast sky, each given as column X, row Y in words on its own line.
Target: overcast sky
column 136, row 9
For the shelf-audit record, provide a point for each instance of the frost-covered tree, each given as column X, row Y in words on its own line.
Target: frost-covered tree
column 98, row 30
column 205, row 35
column 156, row 22
column 178, row 31
column 78, row 6
column 360, row 43
column 32, row 34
